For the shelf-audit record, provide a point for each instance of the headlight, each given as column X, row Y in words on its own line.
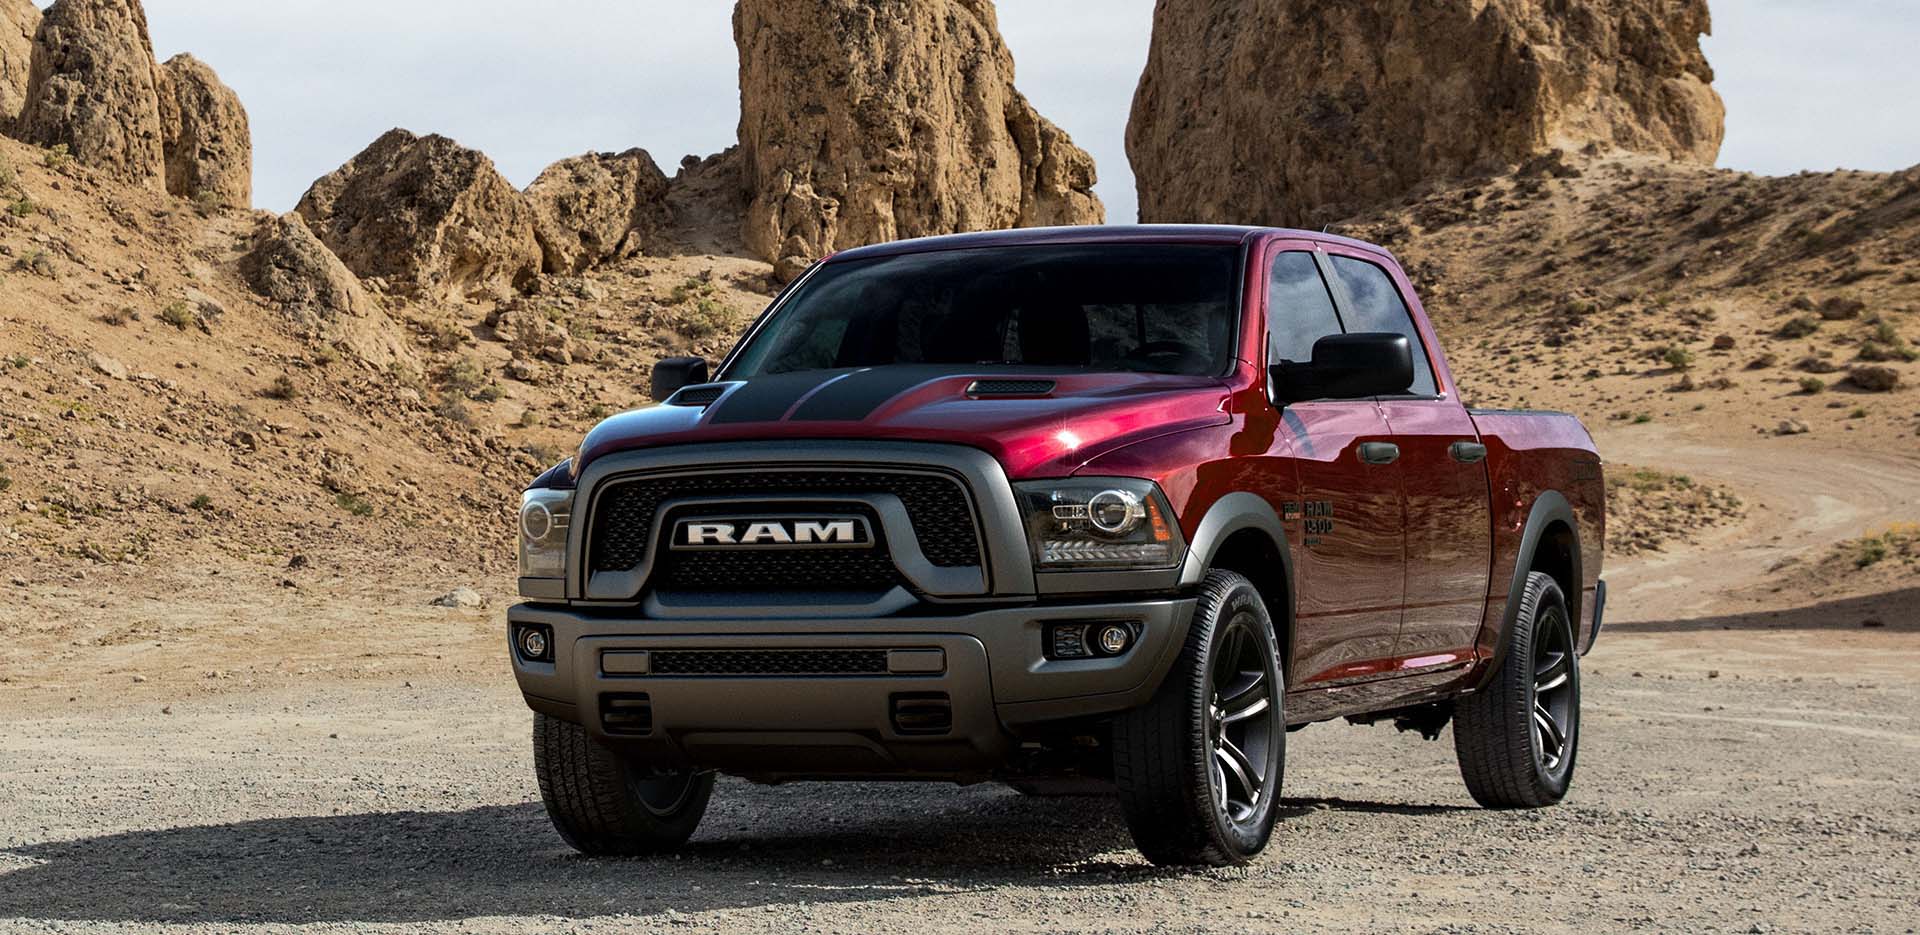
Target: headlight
column 1099, row 522
column 544, row 516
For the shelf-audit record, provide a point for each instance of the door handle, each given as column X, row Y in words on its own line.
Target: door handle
column 1469, row 452
column 1379, row 452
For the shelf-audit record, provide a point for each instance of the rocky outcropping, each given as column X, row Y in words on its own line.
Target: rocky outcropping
column 429, row 216
column 598, row 207
column 1295, row 112
column 204, row 134
column 870, row 120
column 289, row 265
column 19, row 20
column 92, row 88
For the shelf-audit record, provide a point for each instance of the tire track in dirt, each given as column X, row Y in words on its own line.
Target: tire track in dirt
column 1803, row 495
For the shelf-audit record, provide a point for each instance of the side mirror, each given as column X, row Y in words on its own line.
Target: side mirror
column 670, row 375
column 1348, row 366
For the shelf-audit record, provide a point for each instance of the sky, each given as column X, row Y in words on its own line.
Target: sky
column 1809, row 84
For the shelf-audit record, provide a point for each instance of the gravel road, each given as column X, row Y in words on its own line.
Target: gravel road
column 1750, row 801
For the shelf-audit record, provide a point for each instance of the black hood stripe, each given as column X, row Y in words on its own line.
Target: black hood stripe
column 856, row 397
column 821, row 395
column 766, row 399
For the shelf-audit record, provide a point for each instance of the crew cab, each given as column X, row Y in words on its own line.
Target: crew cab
column 1084, row 507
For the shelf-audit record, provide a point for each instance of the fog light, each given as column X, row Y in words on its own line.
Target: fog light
column 534, row 643
column 1096, row 640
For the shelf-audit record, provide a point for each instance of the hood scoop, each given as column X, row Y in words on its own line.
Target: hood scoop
column 699, row 397
column 1010, row 389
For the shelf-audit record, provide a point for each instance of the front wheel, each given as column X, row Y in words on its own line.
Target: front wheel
column 1516, row 738
column 1199, row 765
column 605, row 805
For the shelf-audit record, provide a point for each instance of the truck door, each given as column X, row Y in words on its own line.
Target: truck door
column 1449, row 532
column 1346, row 521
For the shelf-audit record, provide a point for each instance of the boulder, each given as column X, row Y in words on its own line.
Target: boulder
column 871, row 120
column 19, row 20
column 1874, row 379
column 427, row 215
column 1299, row 113
column 204, row 134
column 93, row 87
column 531, row 334
column 598, row 207
column 321, row 297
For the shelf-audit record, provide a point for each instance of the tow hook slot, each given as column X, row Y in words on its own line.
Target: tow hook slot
column 626, row 715
column 922, row 713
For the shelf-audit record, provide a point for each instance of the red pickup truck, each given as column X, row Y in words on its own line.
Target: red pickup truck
column 1114, row 506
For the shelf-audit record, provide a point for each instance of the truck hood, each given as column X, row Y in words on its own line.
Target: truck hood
column 1036, row 423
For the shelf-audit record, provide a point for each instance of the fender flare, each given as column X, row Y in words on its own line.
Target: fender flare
column 1230, row 514
column 1549, row 507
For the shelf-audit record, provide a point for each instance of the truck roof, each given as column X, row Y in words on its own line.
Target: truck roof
column 1100, row 234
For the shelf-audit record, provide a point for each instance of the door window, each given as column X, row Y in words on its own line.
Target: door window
column 1299, row 308
column 1375, row 305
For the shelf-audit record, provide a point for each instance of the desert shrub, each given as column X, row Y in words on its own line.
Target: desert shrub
column 1901, row 541
column 22, row 207
column 1677, row 357
column 56, row 156
column 353, row 503
column 453, row 409
column 1647, row 480
column 1764, row 361
column 1812, row 385
column 37, row 262
column 119, row 317
column 6, row 482
column 446, row 336
column 180, row 315
column 463, row 376
column 1799, row 326
column 201, row 502
column 282, row 387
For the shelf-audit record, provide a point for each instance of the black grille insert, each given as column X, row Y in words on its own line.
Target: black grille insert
column 769, row 662
column 937, row 505
column 804, row 570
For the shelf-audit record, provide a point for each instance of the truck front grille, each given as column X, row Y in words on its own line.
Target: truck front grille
column 863, row 570
column 937, row 505
column 769, row 662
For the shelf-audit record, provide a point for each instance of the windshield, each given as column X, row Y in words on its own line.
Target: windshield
column 1155, row 308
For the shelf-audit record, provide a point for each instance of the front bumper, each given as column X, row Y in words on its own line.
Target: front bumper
column 990, row 668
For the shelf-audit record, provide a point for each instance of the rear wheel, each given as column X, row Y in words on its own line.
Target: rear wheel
column 1517, row 738
column 603, row 804
column 1199, row 766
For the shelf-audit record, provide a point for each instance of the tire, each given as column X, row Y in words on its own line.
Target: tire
column 603, row 804
column 1183, row 801
column 1518, row 737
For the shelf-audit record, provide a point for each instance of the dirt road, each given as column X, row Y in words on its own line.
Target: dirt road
column 1747, row 765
